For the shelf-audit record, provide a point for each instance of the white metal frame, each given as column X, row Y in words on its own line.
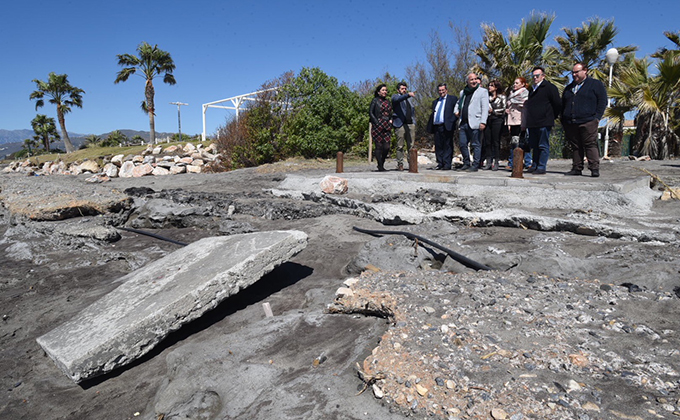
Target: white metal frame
column 237, row 102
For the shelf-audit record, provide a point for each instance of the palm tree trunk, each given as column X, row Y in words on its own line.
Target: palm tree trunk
column 151, row 109
column 64, row 134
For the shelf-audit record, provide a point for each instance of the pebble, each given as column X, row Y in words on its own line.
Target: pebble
column 475, row 356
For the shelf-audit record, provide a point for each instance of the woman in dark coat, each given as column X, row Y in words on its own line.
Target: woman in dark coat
column 381, row 129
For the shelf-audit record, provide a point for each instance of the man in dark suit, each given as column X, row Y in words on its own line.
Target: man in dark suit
column 540, row 110
column 442, row 124
column 403, row 121
column 583, row 103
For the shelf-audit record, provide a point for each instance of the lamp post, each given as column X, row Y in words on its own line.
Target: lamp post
column 179, row 119
column 612, row 57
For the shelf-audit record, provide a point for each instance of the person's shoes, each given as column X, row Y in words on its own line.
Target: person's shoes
column 400, row 167
column 574, row 172
column 539, row 172
column 381, row 169
column 438, row 168
column 530, row 170
column 473, row 169
column 494, row 166
column 465, row 167
column 595, row 173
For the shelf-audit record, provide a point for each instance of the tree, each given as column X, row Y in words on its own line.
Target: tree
column 115, row 138
column 505, row 59
column 588, row 44
column 324, row 117
column 151, row 63
column 443, row 63
column 655, row 98
column 45, row 129
column 61, row 94
column 92, row 141
column 28, row 143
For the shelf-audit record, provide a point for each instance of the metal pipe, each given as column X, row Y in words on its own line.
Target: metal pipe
column 453, row 254
column 153, row 235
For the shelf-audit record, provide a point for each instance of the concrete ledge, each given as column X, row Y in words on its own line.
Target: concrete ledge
column 161, row 297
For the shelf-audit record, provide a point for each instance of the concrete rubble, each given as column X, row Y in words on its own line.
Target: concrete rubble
column 163, row 296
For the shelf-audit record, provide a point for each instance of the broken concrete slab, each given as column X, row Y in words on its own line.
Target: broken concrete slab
column 159, row 298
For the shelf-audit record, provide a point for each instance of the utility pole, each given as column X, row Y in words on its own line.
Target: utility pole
column 179, row 119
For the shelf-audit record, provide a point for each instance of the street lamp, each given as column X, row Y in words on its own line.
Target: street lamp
column 612, row 56
column 179, row 119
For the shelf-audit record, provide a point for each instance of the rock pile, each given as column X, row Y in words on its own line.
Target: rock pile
column 515, row 346
column 152, row 161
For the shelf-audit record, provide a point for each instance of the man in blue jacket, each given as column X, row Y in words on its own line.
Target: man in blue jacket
column 583, row 103
column 540, row 111
column 403, row 121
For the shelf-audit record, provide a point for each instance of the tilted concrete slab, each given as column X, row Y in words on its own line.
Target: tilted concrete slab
column 161, row 297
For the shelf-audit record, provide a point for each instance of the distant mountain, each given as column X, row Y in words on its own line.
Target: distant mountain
column 11, row 141
column 18, row 136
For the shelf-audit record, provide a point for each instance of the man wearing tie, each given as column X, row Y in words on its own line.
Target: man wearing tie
column 403, row 121
column 442, row 124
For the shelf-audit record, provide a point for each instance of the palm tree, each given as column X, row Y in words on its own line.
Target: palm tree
column 61, row 94
column 588, row 44
column 656, row 98
column 150, row 63
column 92, row 140
column 45, row 129
column 507, row 58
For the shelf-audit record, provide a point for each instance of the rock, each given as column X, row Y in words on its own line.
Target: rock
column 98, row 178
column 117, row 160
column 171, row 149
column 126, row 169
column 156, row 150
column 160, row 171
column 193, row 169
column 344, row 292
column 111, row 170
column 377, row 392
column 499, row 414
column 178, row 169
column 333, row 185
column 142, row 170
column 137, row 159
column 421, row 390
column 189, row 148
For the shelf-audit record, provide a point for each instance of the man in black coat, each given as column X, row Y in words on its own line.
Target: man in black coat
column 540, row 110
column 583, row 103
column 442, row 124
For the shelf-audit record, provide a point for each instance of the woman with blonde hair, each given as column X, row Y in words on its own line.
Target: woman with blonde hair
column 515, row 105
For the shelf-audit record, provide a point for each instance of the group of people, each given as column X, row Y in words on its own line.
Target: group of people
column 480, row 114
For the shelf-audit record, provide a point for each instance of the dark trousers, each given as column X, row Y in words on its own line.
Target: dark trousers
column 382, row 151
column 583, row 141
column 492, row 140
column 443, row 146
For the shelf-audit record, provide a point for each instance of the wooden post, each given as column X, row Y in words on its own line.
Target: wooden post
column 413, row 161
column 338, row 163
column 517, row 162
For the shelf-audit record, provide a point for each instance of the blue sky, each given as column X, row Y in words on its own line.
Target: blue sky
column 227, row 48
